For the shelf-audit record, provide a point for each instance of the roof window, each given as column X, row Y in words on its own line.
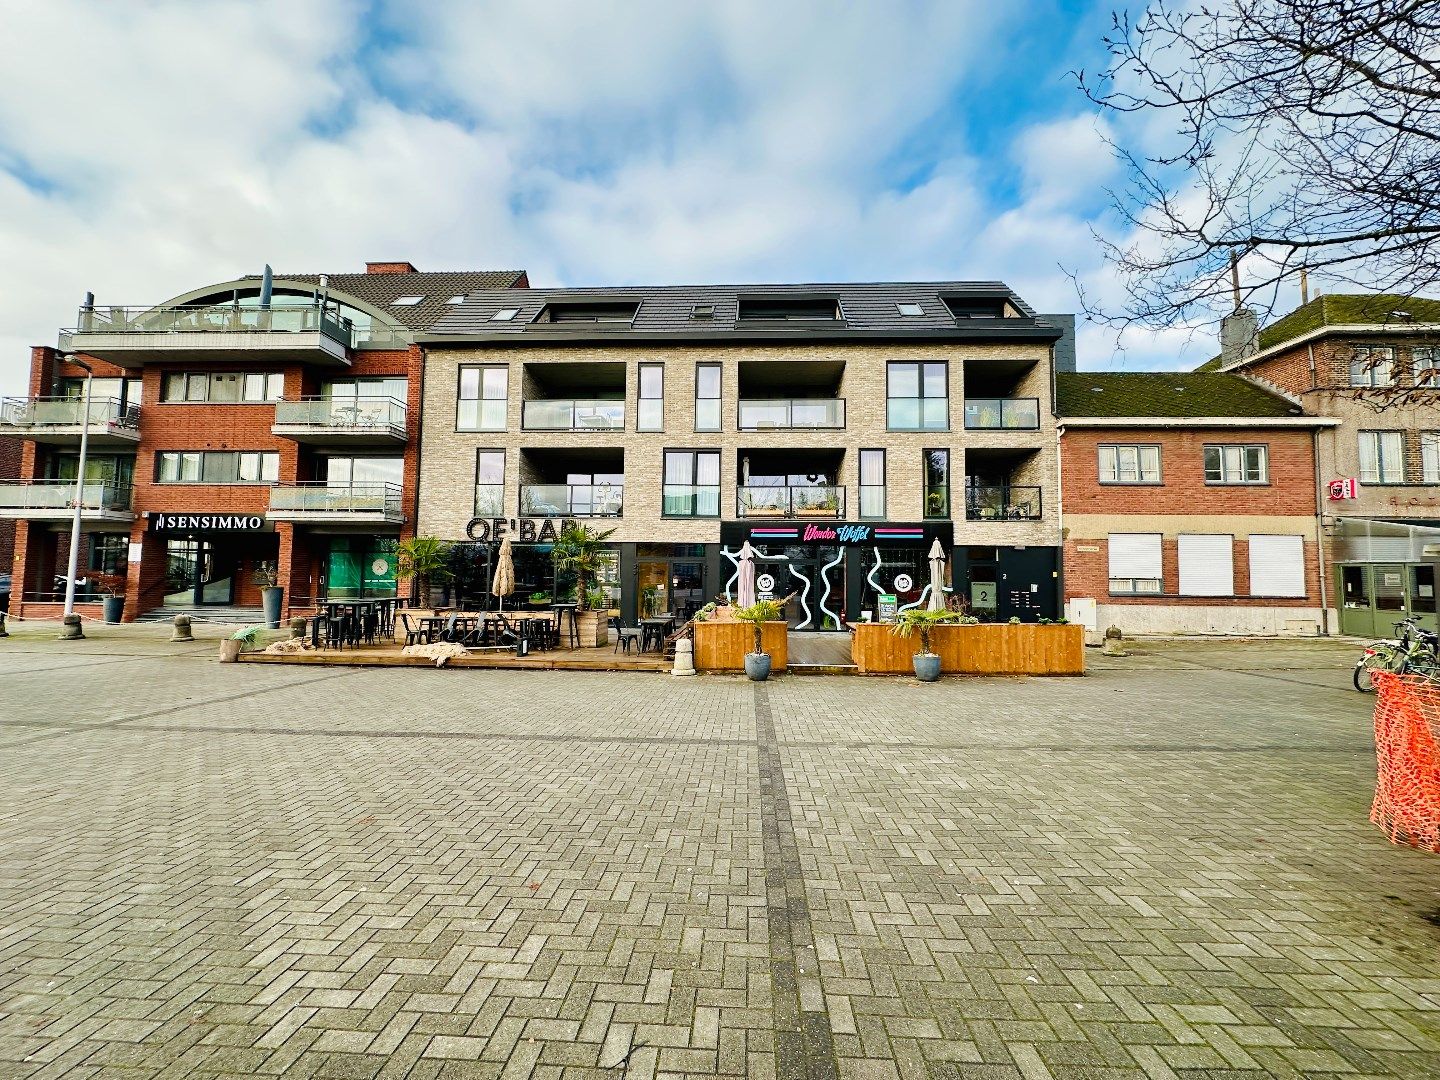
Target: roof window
column 505, row 314
column 702, row 311
column 789, row 309
column 458, row 299
column 910, row 309
column 618, row 311
column 406, row 301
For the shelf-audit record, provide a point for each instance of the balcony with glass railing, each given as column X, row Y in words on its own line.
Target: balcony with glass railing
column 573, row 414
column 767, row 414
column 817, row 501
column 131, row 336
column 60, row 420
column 54, row 500
column 319, row 501
column 1003, row 502
column 350, row 421
column 571, row 500
column 1002, row 414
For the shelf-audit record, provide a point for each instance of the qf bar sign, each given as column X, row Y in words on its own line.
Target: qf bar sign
column 207, row 522
column 523, row 530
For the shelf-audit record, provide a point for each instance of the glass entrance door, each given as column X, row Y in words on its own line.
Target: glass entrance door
column 196, row 575
column 816, row 575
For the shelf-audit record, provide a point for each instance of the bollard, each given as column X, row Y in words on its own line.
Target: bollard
column 70, row 628
column 684, row 657
column 297, row 627
column 3, row 631
column 181, row 631
column 1114, row 642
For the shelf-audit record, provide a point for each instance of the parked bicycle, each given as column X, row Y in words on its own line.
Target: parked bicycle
column 1413, row 650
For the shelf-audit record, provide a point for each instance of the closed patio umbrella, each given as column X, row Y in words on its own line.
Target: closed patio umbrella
column 745, row 587
column 937, row 576
column 503, row 584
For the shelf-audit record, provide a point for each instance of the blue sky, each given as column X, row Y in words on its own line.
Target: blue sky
column 150, row 147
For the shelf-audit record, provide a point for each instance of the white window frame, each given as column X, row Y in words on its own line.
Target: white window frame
column 1425, row 358
column 1377, row 465
column 1430, row 457
column 1136, row 564
column 1234, row 463
column 1277, row 565
column 1206, row 564
column 1372, row 365
column 1115, row 460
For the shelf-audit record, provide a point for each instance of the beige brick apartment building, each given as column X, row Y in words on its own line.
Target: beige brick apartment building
column 840, row 429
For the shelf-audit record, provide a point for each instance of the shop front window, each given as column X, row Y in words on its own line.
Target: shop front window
column 360, row 567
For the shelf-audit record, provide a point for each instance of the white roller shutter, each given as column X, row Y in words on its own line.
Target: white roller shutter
column 1207, row 565
column 1135, row 555
column 1277, row 566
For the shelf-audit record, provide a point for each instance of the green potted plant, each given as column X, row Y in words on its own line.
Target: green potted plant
column 919, row 620
column 246, row 638
column 112, row 592
column 272, row 596
column 650, row 601
column 582, row 551
column 540, row 599
column 757, row 663
column 423, row 559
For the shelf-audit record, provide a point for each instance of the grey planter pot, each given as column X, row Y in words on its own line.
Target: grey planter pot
column 757, row 666
column 927, row 666
column 114, row 608
column 274, row 599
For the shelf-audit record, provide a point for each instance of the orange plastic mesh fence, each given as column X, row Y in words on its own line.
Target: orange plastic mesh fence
column 1407, row 752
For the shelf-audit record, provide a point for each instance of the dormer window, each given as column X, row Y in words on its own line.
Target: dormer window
column 975, row 307
column 789, row 309
column 459, row 299
column 579, row 312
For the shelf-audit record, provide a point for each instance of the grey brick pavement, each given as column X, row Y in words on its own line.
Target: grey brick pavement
column 1162, row 870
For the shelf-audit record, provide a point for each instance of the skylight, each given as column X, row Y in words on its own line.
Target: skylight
column 910, row 309
column 460, row 299
column 702, row 311
column 505, row 314
column 406, row 301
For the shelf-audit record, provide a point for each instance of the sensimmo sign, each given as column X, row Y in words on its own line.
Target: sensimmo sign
column 207, row 522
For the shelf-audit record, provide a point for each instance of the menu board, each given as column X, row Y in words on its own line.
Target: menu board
column 887, row 606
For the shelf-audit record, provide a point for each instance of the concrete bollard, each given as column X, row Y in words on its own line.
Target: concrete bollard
column 70, row 628
column 181, row 629
column 3, row 631
column 1114, row 642
column 684, row 657
column 298, row 626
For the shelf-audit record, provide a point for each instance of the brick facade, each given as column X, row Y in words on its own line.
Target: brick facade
column 10, row 464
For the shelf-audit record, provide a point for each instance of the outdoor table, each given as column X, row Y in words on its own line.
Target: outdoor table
column 567, row 615
column 657, row 626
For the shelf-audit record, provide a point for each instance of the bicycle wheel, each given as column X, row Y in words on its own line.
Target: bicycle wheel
column 1369, row 663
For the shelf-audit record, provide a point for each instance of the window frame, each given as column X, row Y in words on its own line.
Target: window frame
column 640, row 398
column 862, row 487
column 476, row 485
column 925, row 513
column 1379, row 479
column 1140, row 480
column 921, row 397
column 694, row 453
column 1427, row 474
column 1372, row 367
column 718, row 399
column 480, row 370
column 272, row 386
column 1431, row 357
column 267, row 461
column 1110, row 581
column 1244, row 449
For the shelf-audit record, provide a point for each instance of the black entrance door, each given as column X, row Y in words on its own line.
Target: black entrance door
column 197, row 574
column 1026, row 587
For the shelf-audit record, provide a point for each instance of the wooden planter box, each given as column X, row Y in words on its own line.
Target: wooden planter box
column 721, row 646
column 979, row 649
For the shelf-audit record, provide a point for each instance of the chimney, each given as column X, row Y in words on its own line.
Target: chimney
column 389, row 268
column 1065, row 347
column 1239, row 336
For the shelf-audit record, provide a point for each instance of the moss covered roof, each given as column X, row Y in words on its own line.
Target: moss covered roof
column 1164, row 393
column 1344, row 309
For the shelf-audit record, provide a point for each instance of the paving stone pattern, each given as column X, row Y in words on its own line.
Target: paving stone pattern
column 1161, row 870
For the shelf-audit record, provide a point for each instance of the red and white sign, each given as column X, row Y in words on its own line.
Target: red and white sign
column 1344, row 489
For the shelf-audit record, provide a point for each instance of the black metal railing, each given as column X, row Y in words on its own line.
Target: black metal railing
column 1003, row 502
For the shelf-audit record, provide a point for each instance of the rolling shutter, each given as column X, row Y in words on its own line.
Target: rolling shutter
column 1277, row 566
column 1135, row 555
column 1207, row 565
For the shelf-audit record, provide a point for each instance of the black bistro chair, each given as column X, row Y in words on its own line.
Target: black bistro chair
column 625, row 636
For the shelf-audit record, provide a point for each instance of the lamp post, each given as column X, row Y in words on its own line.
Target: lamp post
column 70, row 625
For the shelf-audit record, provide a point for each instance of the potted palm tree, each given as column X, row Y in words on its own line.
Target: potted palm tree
column 424, row 560
column 757, row 663
column 913, row 620
column 112, row 592
column 582, row 551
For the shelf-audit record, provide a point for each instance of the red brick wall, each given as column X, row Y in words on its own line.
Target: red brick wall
column 1290, row 495
column 10, row 454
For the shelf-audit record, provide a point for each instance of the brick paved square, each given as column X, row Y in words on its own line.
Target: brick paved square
column 1163, row 869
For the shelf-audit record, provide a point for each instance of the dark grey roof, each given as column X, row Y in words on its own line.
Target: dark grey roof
column 665, row 313
column 382, row 290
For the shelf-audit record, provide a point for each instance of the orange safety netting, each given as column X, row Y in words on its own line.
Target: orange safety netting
column 1407, row 753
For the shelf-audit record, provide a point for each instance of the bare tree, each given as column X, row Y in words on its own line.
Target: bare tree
column 1294, row 133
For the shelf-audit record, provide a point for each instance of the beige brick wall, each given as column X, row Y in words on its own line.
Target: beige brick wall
column 448, row 457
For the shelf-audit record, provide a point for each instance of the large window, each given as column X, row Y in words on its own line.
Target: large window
column 692, row 483
column 707, row 397
column 490, row 483
column 1127, row 464
column 1207, row 564
column 1372, row 365
column 1237, row 464
column 1277, row 565
column 396, row 387
column 1430, row 456
column 872, row 483
column 1382, row 457
column 916, row 397
column 1423, row 361
column 1135, row 563
column 484, row 398
column 936, row 465
column 344, row 472
column 650, row 413
column 217, row 467
column 223, row 386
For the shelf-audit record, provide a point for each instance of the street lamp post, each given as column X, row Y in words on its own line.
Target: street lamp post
column 70, row 625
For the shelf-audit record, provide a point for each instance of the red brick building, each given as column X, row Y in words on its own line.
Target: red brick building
column 9, row 466
column 1189, row 505
column 263, row 426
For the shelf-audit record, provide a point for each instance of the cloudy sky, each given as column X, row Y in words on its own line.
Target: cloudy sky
column 151, row 146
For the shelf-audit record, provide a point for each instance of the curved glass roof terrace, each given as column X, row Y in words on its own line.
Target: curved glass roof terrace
column 298, row 324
